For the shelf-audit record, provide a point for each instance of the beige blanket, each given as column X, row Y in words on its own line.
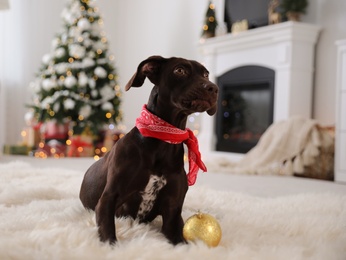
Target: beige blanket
column 285, row 148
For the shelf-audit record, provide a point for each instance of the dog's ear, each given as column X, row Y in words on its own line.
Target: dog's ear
column 149, row 68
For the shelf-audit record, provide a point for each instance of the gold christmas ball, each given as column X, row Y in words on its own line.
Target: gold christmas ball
column 203, row 227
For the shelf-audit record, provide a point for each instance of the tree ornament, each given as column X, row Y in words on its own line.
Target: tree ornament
column 85, row 111
column 70, row 81
column 60, row 52
column 46, row 59
column 82, row 79
column 48, row 84
column 77, row 51
column 107, row 106
column 100, row 72
column 84, row 24
column 69, row 104
column 203, row 227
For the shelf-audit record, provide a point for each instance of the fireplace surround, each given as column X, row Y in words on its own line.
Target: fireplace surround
column 287, row 48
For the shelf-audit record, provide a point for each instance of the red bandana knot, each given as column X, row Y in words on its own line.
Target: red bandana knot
column 150, row 125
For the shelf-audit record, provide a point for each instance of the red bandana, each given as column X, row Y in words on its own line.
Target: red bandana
column 152, row 126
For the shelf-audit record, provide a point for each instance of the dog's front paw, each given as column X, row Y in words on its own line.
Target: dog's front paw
column 176, row 239
column 111, row 241
column 107, row 237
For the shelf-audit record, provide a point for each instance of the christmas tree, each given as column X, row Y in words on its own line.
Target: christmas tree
column 77, row 81
column 210, row 22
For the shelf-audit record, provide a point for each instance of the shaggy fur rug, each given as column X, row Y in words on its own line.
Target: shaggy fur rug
column 41, row 217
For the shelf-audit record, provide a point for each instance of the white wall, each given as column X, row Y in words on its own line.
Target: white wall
column 28, row 28
column 331, row 16
column 137, row 29
column 140, row 29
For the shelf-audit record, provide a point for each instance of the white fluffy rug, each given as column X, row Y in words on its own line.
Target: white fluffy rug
column 41, row 217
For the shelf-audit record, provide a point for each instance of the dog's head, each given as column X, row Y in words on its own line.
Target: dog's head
column 183, row 83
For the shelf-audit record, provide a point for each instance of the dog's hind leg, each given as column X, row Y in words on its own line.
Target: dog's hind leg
column 93, row 184
column 105, row 210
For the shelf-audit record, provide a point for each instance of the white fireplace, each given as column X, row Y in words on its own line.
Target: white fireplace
column 287, row 48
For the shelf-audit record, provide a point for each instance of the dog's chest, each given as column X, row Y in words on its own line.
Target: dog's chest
column 149, row 195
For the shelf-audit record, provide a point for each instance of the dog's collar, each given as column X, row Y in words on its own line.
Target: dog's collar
column 150, row 125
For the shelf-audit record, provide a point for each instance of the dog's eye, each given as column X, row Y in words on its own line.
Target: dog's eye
column 206, row 74
column 180, row 71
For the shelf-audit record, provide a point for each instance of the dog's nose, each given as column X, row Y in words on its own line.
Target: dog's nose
column 211, row 88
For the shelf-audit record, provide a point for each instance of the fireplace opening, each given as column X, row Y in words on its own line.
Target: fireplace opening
column 245, row 108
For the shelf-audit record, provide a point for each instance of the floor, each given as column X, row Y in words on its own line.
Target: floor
column 263, row 186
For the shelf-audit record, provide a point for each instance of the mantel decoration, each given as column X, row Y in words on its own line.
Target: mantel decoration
column 77, row 82
column 293, row 9
column 273, row 15
column 240, row 26
column 210, row 23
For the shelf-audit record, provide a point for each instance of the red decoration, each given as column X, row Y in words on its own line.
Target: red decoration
column 54, row 130
column 53, row 148
column 152, row 126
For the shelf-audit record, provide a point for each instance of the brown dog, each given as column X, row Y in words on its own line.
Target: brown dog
column 143, row 177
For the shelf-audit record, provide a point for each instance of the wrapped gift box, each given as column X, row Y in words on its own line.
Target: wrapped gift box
column 53, row 148
column 80, row 146
column 17, row 149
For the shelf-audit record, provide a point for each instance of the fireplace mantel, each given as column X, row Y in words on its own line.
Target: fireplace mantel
column 288, row 48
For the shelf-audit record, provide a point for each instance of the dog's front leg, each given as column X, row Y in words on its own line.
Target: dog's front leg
column 105, row 210
column 173, row 225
